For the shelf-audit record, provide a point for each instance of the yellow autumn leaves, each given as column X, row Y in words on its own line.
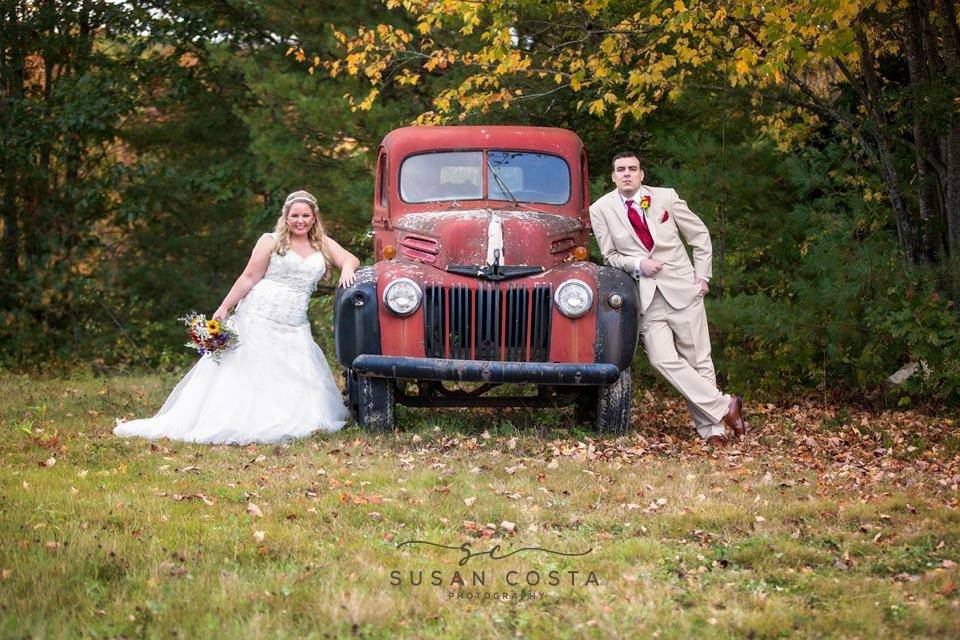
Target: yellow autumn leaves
column 622, row 59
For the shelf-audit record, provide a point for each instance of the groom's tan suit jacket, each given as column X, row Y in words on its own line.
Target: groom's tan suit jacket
column 667, row 218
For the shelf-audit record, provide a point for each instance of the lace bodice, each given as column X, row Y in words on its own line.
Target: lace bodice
column 284, row 292
column 295, row 272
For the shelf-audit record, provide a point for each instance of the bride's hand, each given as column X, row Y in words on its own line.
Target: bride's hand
column 347, row 277
column 220, row 314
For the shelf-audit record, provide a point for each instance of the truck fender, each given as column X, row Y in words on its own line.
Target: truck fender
column 356, row 318
column 618, row 329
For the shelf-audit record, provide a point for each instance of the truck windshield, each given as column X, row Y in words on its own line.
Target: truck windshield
column 458, row 175
column 433, row 177
column 528, row 177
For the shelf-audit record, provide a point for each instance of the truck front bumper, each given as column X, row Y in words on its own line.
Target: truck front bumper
column 485, row 371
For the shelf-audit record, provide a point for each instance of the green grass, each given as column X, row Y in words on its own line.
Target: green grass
column 765, row 540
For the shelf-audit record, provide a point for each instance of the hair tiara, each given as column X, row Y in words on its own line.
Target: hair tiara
column 300, row 196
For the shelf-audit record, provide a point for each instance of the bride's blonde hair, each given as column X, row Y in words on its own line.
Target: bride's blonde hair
column 316, row 234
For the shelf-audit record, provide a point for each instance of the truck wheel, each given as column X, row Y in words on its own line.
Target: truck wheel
column 371, row 401
column 613, row 406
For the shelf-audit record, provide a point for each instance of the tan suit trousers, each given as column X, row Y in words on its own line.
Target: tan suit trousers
column 677, row 342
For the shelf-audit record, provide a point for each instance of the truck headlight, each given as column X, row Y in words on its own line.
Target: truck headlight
column 402, row 296
column 574, row 298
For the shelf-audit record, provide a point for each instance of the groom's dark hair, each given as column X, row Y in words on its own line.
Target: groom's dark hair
column 628, row 154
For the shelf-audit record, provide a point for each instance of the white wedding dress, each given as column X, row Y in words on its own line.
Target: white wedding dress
column 276, row 385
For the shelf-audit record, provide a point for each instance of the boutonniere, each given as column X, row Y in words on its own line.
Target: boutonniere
column 645, row 203
column 666, row 216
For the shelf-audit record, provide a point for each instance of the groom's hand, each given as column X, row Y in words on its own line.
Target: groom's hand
column 650, row 267
column 704, row 287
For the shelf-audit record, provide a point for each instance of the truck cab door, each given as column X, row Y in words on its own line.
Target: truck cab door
column 381, row 204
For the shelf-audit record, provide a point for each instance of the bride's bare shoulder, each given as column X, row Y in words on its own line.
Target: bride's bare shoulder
column 265, row 244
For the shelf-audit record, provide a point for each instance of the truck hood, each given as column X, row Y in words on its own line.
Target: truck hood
column 448, row 238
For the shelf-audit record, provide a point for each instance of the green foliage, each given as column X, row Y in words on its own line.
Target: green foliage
column 135, row 186
column 818, row 298
column 917, row 320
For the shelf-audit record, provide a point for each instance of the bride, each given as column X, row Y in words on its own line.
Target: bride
column 276, row 384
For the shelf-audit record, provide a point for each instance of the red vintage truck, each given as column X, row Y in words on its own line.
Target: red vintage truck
column 482, row 277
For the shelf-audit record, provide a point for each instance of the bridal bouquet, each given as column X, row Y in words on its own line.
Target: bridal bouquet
column 209, row 336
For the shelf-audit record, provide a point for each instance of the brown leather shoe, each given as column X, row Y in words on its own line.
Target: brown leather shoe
column 734, row 419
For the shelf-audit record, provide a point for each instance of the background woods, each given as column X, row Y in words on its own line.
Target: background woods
column 883, row 73
column 145, row 146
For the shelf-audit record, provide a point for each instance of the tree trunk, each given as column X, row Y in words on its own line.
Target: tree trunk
column 951, row 51
column 919, row 61
column 906, row 226
column 12, row 76
column 9, row 258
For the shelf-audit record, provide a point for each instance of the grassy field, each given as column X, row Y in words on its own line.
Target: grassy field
column 824, row 523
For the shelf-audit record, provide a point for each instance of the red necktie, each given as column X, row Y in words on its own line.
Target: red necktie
column 640, row 226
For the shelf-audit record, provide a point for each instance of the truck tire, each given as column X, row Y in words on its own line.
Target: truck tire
column 613, row 406
column 372, row 401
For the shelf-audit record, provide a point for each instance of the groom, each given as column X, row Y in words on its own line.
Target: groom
column 639, row 230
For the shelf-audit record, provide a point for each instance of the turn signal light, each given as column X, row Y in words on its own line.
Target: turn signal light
column 389, row 252
column 580, row 253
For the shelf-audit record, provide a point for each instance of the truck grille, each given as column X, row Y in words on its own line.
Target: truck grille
column 487, row 323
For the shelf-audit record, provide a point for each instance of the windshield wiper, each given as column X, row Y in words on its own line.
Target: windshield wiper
column 500, row 183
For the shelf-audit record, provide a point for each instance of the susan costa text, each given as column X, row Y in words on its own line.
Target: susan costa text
column 512, row 578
